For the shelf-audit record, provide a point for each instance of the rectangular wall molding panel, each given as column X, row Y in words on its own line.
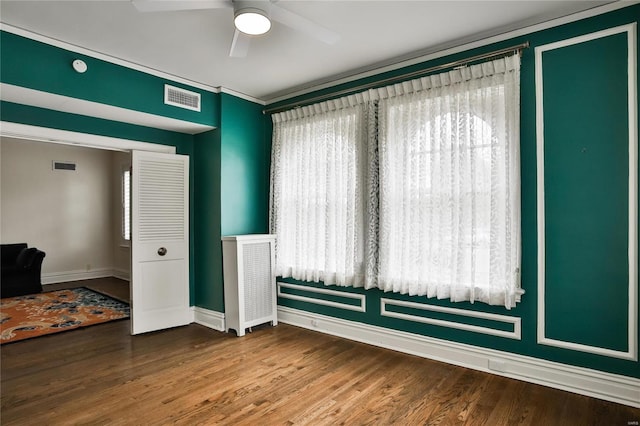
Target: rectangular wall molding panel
column 515, row 322
column 587, row 193
column 360, row 298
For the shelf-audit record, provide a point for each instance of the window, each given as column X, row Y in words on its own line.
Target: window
column 448, row 214
column 423, row 196
column 316, row 191
column 126, row 204
column 417, row 193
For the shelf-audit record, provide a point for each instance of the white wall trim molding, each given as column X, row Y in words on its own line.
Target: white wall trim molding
column 516, row 322
column 77, row 275
column 422, row 57
column 209, row 318
column 47, row 134
column 461, row 46
column 40, row 99
column 632, row 307
column 103, row 57
column 122, row 274
column 241, row 95
column 584, row 381
column 361, row 307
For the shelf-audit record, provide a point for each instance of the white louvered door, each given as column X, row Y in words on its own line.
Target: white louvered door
column 159, row 241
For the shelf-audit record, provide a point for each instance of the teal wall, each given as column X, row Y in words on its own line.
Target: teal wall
column 586, row 191
column 232, row 190
column 34, row 116
column 29, row 63
column 245, row 167
column 230, row 181
column 586, row 207
column 229, row 172
column 208, row 248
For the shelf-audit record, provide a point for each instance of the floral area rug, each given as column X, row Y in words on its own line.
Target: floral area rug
column 24, row 317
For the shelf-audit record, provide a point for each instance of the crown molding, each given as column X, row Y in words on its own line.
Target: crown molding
column 439, row 52
column 103, row 57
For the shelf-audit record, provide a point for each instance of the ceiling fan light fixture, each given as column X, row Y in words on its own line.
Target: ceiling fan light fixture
column 252, row 21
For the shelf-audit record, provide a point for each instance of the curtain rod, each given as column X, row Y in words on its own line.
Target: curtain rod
column 517, row 48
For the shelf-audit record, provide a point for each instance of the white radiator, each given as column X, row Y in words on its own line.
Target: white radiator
column 249, row 281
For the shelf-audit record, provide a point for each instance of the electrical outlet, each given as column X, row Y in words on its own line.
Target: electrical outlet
column 88, row 267
column 497, row 365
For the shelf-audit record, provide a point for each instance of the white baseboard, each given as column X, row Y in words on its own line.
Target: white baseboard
column 208, row 318
column 584, row 381
column 122, row 274
column 61, row 277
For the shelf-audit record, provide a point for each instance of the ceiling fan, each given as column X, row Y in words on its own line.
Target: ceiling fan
column 251, row 19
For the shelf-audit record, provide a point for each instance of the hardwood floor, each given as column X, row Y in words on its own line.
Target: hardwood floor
column 110, row 286
column 101, row 375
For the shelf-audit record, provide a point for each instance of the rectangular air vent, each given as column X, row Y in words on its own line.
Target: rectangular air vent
column 181, row 98
column 64, row 165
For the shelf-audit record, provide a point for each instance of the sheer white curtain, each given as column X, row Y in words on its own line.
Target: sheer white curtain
column 412, row 188
column 449, row 220
column 317, row 197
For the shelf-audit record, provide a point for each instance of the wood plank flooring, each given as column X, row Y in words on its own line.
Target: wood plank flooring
column 110, row 286
column 282, row 375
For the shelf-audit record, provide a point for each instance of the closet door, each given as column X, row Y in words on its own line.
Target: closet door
column 160, row 241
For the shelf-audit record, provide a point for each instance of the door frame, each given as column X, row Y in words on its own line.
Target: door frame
column 65, row 137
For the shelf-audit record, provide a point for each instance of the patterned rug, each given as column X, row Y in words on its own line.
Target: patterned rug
column 24, row 317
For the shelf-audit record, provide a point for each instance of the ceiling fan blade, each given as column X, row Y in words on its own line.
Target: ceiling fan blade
column 175, row 5
column 304, row 25
column 239, row 45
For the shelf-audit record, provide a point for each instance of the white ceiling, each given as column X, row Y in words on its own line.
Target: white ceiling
column 194, row 44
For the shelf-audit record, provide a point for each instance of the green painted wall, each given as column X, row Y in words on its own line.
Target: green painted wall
column 34, row 116
column 208, row 249
column 232, row 188
column 594, row 181
column 29, row 63
column 35, row 65
column 232, row 198
column 230, row 177
column 586, row 192
column 244, row 167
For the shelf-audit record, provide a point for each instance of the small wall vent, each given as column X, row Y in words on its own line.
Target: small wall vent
column 181, row 98
column 64, row 165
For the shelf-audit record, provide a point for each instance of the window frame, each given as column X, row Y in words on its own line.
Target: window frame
column 125, row 206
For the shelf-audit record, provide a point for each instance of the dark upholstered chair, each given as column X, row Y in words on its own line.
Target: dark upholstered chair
column 20, row 270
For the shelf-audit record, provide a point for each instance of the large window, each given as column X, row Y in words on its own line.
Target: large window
column 432, row 167
column 317, row 196
column 448, row 196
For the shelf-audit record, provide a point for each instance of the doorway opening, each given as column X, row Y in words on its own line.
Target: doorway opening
column 120, row 151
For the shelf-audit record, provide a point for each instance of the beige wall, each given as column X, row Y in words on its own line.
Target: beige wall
column 67, row 214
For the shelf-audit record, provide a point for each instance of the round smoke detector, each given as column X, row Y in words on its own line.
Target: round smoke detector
column 79, row 65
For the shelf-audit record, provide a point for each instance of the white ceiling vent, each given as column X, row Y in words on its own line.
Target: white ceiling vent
column 181, row 98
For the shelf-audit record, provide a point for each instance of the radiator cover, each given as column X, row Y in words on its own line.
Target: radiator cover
column 249, row 281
